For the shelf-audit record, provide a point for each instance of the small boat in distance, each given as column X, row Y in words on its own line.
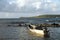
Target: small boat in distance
column 38, row 31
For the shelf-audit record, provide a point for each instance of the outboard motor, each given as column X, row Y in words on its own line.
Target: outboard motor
column 46, row 32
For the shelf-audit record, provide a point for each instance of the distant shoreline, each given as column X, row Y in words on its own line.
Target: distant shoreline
column 47, row 16
column 44, row 16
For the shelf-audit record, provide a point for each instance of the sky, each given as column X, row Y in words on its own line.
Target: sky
column 27, row 8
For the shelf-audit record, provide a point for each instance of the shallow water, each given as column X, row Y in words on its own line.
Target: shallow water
column 21, row 33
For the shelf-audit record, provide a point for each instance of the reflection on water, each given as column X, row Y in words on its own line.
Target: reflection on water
column 22, row 33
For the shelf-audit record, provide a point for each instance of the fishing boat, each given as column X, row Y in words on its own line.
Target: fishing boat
column 39, row 32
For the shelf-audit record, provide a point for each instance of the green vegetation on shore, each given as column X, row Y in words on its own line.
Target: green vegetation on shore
column 44, row 16
column 47, row 16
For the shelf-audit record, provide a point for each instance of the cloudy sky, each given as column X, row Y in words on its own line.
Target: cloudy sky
column 26, row 8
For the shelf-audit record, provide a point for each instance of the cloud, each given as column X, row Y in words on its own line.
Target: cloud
column 49, row 1
column 11, row 2
column 29, row 6
column 53, row 6
column 17, row 15
column 23, row 8
column 20, row 3
column 37, row 5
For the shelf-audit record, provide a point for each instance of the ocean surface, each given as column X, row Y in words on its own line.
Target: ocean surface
column 15, row 32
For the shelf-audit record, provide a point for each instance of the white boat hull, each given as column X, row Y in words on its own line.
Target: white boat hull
column 37, row 32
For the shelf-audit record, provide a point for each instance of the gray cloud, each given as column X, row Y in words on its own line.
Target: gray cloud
column 29, row 6
column 14, row 6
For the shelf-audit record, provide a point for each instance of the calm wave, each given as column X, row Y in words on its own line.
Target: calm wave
column 22, row 33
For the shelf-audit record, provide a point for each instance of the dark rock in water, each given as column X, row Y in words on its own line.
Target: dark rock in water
column 18, row 22
column 55, row 24
column 19, row 25
column 22, row 25
column 9, row 25
column 39, row 28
